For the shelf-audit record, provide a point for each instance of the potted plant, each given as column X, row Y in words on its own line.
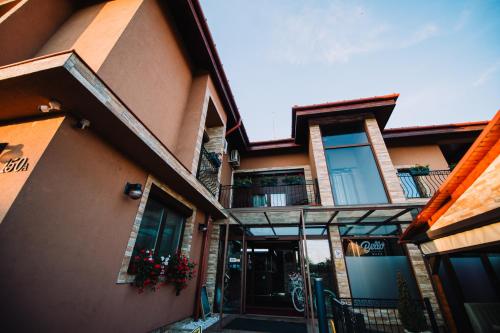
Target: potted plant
column 243, row 182
column 293, row 180
column 214, row 159
column 419, row 170
column 147, row 269
column 411, row 314
column 179, row 271
column 268, row 181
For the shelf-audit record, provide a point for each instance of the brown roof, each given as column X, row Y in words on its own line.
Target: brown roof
column 482, row 152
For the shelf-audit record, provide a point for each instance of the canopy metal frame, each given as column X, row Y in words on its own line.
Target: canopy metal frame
column 373, row 215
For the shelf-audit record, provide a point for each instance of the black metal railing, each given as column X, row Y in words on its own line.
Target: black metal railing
column 359, row 315
column 422, row 185
column 233, row 196
column 208, row 170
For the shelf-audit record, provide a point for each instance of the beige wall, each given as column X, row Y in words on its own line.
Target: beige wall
column 71, row 222
column 25, row 140
column 274, row 161
column 423, row 155
column 482, row 196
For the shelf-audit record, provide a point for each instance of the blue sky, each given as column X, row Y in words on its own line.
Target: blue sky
column 443, row 57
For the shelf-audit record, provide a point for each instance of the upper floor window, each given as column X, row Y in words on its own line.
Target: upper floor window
column 353, row 172
column 161, row 226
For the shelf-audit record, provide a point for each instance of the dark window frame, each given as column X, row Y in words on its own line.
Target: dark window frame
column 168, row 205
column 324, row 128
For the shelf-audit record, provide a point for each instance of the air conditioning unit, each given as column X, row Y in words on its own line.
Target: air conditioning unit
column 234, row 158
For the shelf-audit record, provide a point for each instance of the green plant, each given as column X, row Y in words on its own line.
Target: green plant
column 243, row 182
column 293, row 180
column 419, row 170
column 410, row 313
column 269, row 181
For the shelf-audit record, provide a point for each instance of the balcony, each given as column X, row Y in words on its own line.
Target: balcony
column 422, row 185
column 208, row 170
column 241, row 196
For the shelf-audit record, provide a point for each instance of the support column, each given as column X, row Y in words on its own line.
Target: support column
column 389, row 175
column 423, row 279
column 339, row 262
column 319, row 159
column 213, row 258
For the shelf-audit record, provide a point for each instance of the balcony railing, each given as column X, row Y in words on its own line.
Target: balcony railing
column 208, row 170
column 361, row 315
column 232, row 196
column 422, row 186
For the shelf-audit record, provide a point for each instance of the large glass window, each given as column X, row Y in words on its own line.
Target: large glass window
column 373, row 265
column 161, row 228
column 354, row 175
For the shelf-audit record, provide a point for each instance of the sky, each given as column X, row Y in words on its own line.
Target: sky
column 442, row 57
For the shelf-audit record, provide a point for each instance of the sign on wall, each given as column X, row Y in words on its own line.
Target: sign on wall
column 16, row 165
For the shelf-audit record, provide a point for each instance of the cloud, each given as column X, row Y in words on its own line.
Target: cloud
column 423, row 33
column 332, row 35
column 486, row 75
column 337, row 33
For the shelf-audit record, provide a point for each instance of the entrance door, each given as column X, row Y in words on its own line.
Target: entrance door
column 273, row 271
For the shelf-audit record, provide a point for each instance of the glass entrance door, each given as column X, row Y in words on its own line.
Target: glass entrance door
column 273, row 273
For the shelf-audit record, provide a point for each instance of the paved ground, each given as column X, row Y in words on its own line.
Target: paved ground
column 287, row 328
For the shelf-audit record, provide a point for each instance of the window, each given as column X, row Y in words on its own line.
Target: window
column 354, row 175
column 373, row 265
column 161, row 226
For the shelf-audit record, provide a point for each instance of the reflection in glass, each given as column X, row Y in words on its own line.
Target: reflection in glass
column 320, row 262
column 344, row 135
column 354, row 176
column 373, row 265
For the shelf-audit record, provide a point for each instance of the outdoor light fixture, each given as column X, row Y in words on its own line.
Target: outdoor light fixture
column 202, row 227
column 134, row 191
column 52, row 106
column 83, row 123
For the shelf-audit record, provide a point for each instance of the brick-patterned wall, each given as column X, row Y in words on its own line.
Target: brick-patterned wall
column 340, row 267
column 216, row 145
column 325, row 189
column 123, row 276
column 383, row 158
column 423, row 279
column 213, row 257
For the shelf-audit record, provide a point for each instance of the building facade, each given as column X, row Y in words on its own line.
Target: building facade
column 458, row 232
column 102, row 97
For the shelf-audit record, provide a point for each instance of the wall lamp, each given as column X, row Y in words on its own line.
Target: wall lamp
column 51, row 106
column 202, row 227
column 134, row 191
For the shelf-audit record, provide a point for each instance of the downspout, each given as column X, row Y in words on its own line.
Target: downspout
column 202, row 268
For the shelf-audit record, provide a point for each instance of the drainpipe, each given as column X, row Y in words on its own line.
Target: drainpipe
column 202, row 267
column 234, row 128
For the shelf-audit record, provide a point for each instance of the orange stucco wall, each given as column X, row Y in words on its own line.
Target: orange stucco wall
column 26, row 27
column 93, row 31
column 71, row 222
column 148, row 69
column 25, row 140
column 284, row 160
column 422, row 155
